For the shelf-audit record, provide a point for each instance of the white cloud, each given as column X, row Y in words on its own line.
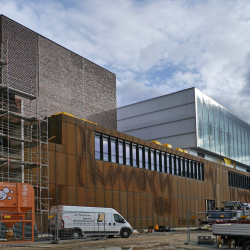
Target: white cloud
column 206, row 43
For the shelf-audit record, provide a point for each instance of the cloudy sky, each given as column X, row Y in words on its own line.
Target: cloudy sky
column 154, row 47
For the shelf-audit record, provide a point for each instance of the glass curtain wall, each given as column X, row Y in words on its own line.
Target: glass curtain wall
column 220, row 131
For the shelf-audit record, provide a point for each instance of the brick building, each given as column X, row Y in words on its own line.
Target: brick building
column 63, row 80
column 157, row 191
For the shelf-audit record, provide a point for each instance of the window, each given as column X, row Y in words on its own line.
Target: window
column 134, row 155
column 190, row 173
column 118, row 218
column 158, row 161
column 128, row 146
column 197, row 170
column 172, row 165
column 140, row 157
column 113, row 150
column 105, row 148
column 98, row 146
column 182, row 167
column 152, row 159
column 163, row 156
column 194, row 170
column 177, row 165
column 121, row 152
column 186, row 168
column 201, row 171
column 168, row 163
column 146, row 158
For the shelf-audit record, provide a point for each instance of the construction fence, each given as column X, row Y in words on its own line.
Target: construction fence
column 22, row 227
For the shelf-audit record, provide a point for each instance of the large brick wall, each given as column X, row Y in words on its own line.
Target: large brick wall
column 143, row 197
column 66, row 81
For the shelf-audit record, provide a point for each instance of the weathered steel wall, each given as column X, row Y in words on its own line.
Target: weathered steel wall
column 143, row 197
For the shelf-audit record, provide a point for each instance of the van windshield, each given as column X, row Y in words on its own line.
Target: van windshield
column 118, row 218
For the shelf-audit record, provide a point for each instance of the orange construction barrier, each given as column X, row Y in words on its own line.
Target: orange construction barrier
column 16, row 200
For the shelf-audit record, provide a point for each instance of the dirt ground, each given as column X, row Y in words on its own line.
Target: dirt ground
column 170, row 240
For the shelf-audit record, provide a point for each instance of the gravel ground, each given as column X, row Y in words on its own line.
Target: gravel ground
column 170, row 240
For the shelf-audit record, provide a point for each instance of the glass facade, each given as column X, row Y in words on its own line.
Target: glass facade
column 220, row 131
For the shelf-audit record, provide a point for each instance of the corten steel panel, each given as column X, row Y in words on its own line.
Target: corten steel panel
column 81, row 171
column 53, row 132
column 192, row 205
column 60, row 148
column 175, row 185
column 188, row 205
column 108, row 198
column 91, row 197
column 70, row 119
column 225, row 177
column 167, row 206
column 168, row 185
column 115, row 176
column 153, row 145
column 199, row 188
column 141, row 142
column 160, row 183
column 195, row 190
column 184, row 207
column 183, row 187
column 143, row 205
column 52, row 146
column 196, row 205
column 187, row 187
column 61, row 195
column 60, row 118
column 131, row 221
column 114, row 133
column 144, row 223
column 221, row 193
column 61, row 133
column 71, row 170
column 210, row 190
column 131, row 210
column 128, row 137
column 71, row 196
column 179, row 207
column 147, row 143
column 175, row 222
column 136, row 178
column 98, row 128
column 52, row 195
column 175, row 206
column 218, row 188
column 135, row 139
column 129, row 179
column 90, row 126
column 137, row 204
column 150, row 221
column 99, row 197
column 191, row 186
column 106, row 131
column 60, row 169
column 71, row 138
column 143, row 181
column 80, row 123
column 52, row 167
column 116, row 201
column 123, row 204
column 91, row 172
column 206, row 186
column 107, row 175
column 161, row 205
column 90, row 143
column 166, row 222
column 149, row 205
column 99, row 174
column 171, row 222
column 122, row 135
column 80, row 141
column 179, row 186
column 81, row 196
column 155, row 221
column 123, row 178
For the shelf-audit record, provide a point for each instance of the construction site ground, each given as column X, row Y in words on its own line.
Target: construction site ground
column 158, row 240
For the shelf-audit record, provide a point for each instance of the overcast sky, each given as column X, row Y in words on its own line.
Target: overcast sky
column 154, row 47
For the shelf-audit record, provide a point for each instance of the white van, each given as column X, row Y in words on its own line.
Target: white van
column 74, row 221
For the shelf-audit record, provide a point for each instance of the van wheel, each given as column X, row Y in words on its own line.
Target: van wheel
column 246, row 246
column 125, row 233
column 76, row 234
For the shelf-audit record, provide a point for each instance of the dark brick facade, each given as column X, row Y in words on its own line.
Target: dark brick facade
column 69, row 82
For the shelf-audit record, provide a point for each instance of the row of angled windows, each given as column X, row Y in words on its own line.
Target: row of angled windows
column 238, row 180
column 115, row 150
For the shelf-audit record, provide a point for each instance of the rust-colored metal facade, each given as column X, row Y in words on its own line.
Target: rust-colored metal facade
column 143, row 197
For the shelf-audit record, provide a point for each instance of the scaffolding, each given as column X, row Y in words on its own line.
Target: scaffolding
column 23, row 134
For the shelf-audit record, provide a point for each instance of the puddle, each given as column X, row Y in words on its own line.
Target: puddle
column 155, row 246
